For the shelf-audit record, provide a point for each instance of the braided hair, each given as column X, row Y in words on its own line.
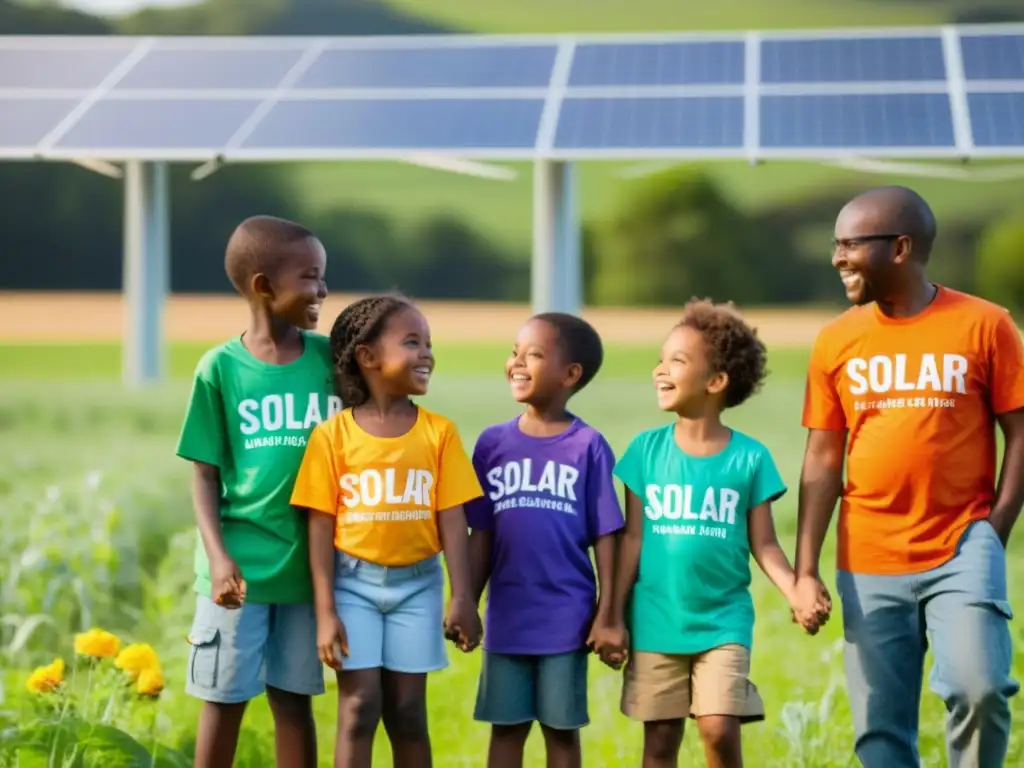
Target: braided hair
column 361, row 322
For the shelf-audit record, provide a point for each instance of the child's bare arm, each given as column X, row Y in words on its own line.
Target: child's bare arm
column 462, row 622
column 481, row 547
column 765, row 547
column 629, row 557
column 604, row 558
column 225, row 578
column 454, row 533
column 331, row 637
column 321, row 560
column 767, row 552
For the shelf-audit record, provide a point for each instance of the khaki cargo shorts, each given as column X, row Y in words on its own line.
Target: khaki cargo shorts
column 661, row 686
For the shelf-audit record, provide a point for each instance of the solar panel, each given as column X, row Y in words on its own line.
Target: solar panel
column 997, row 119
column 380, row 124
column 884, row 93
column 174, row 124
column 27, row 121
column 464, row 66
column 852, row 60
column 53, row 68
column 204, row 69
column 856, row 121
column 649, row 123
column 658, row 63
column 993, row 57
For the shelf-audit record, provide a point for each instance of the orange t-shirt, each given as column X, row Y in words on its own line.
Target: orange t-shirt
column 385, row 491
column 919, row 397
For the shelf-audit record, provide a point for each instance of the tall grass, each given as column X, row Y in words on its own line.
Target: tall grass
column 97, row 532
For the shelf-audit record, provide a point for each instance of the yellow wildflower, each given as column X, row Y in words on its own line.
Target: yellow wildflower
column 151, row 681
column 46, row 679
column 134, row 658
column 97, row 643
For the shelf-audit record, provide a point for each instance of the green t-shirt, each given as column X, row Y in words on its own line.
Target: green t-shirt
column 693, row 586
column 251, row 419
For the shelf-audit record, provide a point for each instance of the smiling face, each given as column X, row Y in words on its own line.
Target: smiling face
column 867, row 251
column 403, row 355
column 537, row 369
column 683, row 379
column 295, row 290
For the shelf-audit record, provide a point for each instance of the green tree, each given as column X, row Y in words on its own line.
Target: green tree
column 679, row 236
column 1000, row 262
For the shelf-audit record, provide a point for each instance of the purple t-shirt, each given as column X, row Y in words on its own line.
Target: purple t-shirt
column 547, row 499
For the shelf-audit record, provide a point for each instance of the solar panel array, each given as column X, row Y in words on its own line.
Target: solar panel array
column 949, row 92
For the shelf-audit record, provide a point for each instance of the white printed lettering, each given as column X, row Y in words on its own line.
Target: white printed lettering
column 372, row 486
column 882, row 373
column 674, row 502
column 515, row 477
column 273, row 413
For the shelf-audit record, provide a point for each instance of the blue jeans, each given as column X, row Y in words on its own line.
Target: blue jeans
column 393, row 616
column 960, row 610
column 551, row 689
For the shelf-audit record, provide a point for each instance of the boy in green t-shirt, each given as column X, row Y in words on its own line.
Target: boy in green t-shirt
column 254, row 401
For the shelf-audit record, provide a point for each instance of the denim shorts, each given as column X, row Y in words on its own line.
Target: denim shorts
column 518, row 689
column 235, row 654
column 393, row 616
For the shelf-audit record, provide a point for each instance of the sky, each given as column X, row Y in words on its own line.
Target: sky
column 119, row 6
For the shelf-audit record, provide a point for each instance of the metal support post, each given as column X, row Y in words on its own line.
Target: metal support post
column 556, row 277
column 146, row 270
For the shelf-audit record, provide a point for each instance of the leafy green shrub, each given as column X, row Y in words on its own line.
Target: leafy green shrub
column 1000, row 263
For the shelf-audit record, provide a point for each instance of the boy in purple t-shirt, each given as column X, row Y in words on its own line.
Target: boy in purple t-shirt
column 548, row 499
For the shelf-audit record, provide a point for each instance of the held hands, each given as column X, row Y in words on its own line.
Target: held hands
column 331, row 640
column 462, row 624
column 610, row 642
column 228, row 584
column 811, row 603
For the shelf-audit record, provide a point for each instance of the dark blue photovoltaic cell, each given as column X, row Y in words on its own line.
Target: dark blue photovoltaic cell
column 853, row 60
column 73, row 68
column 399, row 123
column 993, row 57
column 27, row 121
column 482, row 66
column 158, row 123
column 997, row 119
column 664, row 63
column 650, row 123
column 856, row 121
column 204, row 69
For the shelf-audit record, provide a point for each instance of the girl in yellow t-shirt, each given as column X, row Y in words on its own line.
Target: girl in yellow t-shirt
column 385, row 481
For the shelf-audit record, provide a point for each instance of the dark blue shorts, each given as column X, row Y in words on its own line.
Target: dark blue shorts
column 520, row 689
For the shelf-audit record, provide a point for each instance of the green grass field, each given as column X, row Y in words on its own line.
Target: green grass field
column 97, row 532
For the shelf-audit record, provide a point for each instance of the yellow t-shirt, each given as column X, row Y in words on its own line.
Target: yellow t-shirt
column 385, row 491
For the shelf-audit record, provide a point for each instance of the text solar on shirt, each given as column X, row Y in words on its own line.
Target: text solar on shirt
column 919, row 397
column 692, row 591
column 251, row 420
column 385, row 491
column 547, row 500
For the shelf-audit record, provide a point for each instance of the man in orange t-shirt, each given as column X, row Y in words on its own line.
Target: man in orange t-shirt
column 908, row 386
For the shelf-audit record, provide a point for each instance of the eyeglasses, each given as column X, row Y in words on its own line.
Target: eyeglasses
column 851, row 243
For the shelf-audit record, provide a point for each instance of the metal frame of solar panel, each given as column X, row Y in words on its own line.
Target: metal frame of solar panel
column 924, row 92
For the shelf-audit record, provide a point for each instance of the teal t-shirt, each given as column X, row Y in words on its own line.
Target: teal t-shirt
column 693, row 586
column 251, row 419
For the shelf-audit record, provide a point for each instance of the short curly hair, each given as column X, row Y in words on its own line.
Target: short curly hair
column 579, row 341
column 361, row 322
column 732, row 346
column 259, row 244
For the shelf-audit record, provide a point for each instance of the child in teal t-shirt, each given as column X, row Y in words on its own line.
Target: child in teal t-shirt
column 254, row 401
column 698, row 505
